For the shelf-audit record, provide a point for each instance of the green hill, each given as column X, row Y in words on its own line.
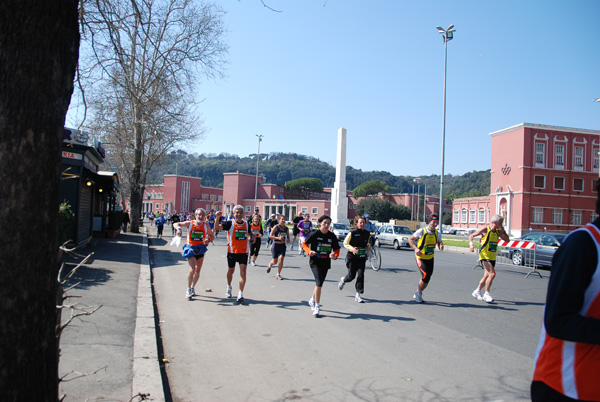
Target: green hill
column 281, row 167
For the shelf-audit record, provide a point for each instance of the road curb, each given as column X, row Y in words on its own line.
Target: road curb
column 147, row 379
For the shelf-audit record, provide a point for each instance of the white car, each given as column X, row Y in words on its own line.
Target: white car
column 393, row 235
column 340, row 230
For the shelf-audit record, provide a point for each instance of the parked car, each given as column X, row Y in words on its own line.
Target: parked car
column 340, row 230
column 546, row 244
column 393, row 235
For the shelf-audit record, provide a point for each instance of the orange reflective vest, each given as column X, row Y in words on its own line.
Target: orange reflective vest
column 573, row 368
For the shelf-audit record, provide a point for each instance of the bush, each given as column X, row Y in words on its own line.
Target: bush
column 65, row 218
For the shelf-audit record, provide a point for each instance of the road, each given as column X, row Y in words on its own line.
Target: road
column 271, row 348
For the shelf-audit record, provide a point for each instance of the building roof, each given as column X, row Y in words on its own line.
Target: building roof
column 545, row 127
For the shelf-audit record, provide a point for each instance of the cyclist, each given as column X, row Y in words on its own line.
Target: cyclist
column 370, row 227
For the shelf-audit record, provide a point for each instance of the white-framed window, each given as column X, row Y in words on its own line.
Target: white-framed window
column 220, row 198
column 281, row 189
column 204, row 197
column 596, row 158
column 578, row 161
column 185, row 195
column 157, row 205
column 538, row 215
column 456, row 216
column 463, row 216
column 593, row 216
column 304, row 210
column 576, row 217
column 577, row 184
column 594, row 184
column 539, row 181
column 472, row 216
column 481, row 217
column 323, row 195
column 248, row 208
column 559, row 183
column 540, row 154
column 559, row 156
column 557, row 216
column 315, row 211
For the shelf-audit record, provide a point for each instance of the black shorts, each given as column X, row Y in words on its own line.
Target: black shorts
column 319, row 270
column 240, row 258
column 493, row 262
column 278, row 249
column 426, row 268
column 255, row 247
column 295, row 231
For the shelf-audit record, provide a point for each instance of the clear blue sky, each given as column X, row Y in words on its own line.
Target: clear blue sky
column 376, row 67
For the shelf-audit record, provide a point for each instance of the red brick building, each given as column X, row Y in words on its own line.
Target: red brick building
column 542, row 177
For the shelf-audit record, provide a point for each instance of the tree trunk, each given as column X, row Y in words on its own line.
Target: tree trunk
column 39, row 42
column 136, row 174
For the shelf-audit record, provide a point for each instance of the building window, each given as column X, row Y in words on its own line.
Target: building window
column 538, row 215
column 304, row 210
column 472, row 216
column 315, row 210
column 594, row 185
column 593, row 217
column 213, row 197
column 456, row 217
column 540, row 151
column 248, row 208
column 557, row 216
column 463, row 218
column 185, row 196
column 323, row 195
column 596, row 154
column 577, row 184
column 578, row 158
column 539, row 181
column 559, row 183
column 481, row 218
column 204, row 197
column 576, row 218
column 157, row 206
column 559, row 157
column 220, row 198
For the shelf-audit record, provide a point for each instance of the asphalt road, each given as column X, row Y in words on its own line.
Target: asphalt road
column 270, row 348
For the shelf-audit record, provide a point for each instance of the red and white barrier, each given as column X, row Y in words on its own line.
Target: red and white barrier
column 517, row 244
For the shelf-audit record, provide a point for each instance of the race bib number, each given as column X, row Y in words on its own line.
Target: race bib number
column 241, row 235
column 429, row 249
column 361, row 252
column 197, row 235
column 493, row 246
column 324, row 250
column 255, row 232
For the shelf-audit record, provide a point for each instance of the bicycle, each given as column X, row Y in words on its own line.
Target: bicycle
column 374, row 257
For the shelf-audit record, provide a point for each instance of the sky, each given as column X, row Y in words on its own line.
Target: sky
column 376, row 68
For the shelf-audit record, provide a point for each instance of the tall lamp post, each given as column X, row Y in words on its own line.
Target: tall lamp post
column 447, row 35
column 256, row 177
column 418, row 181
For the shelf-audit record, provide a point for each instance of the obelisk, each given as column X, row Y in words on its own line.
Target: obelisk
column 339, row 198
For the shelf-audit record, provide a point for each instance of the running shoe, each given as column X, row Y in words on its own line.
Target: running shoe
column 316, row 310
column 341, row 283
column 228, row 293
column 269, row 269
column 487, row 297
column 188, row 294
column 358, row 298
column 240, row 298
column 278, row 277
column 477, row 294
column 292, row 247
column 418, row 296
column 311, row 303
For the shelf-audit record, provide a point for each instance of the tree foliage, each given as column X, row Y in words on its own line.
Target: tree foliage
column 371, row 187
column 382, row 210
column 304, row 185
column 143, row 64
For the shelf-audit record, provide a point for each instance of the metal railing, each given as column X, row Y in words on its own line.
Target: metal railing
column 514, row 252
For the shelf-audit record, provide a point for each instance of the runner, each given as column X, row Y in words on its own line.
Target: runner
column 238, row 234
column 427, row 238
column 322, row 246
column 295, row 230
column 160, row 224
column 304, row 229
column 257, row 231
column 211, row 218
column 270, row 224
column 357, row 244
column 487, row 255
column 280, row 235
column 198, row 236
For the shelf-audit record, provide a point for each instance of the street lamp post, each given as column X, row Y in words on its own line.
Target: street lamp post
column 425, row 203
column 447, row 35
column 256, row 177
column 412, row 203
column 418, row 181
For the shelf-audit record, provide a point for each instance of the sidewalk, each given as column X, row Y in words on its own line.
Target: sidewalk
column 111, row 355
